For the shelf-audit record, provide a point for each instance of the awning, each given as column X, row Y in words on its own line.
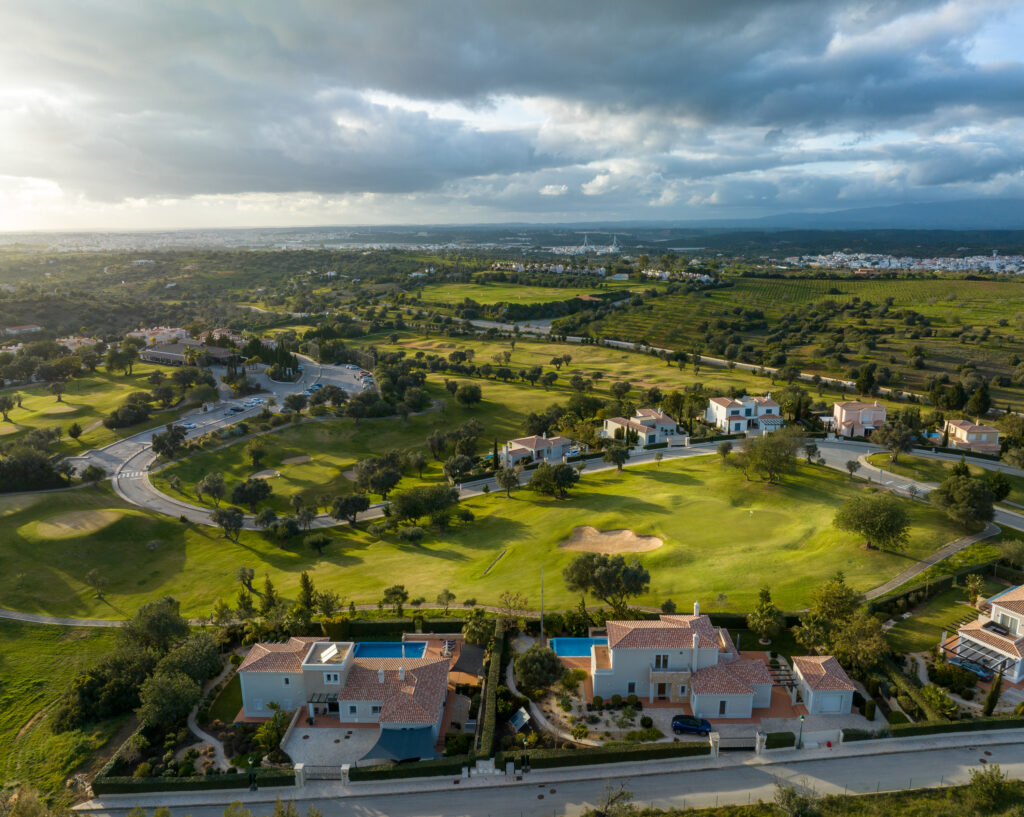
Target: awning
column 403, row 744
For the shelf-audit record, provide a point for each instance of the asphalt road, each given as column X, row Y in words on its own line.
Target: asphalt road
column 698, row 788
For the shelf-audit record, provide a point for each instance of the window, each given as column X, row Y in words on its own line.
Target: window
column 631, row 688
column 721, row 707
column 661, row 661
column 375, row 710
column 1009, row 623
column 353, row 709
column 287, row 681
column 259, row 704
column 682, row 689
column 332, row 678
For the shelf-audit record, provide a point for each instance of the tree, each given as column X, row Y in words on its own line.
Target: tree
column 384, row 480
column 266, row 518
column 6, row 405
column 810, row 451
column 860, row 641
column 167, row 443
column 318, row 542
column 507, row 479
column 396, row 596
column 469, row 394
column 548, row 379
column 512, row 606
column 244, row 604
column 306, row 517
column 658, row 457
column 608, row 578
column 554, row 480
column 245, row 575
column 881, row 519
column 75, row 431
column 964, row 499
column 992, row 698
column 307, row 592
column 724, row 450
column 166, row 698
column 93, row 474
column 538, row 667
column 251, row 493
column 349, row 507
column 156, row 625
column 772, row 455
column 327, row 603
column 766, row 619
column 295, row 402
column 256, row 450
column 853, row 466
column 445, row 598
column 998, row 484
column 980, row 401
column 270, row 600
column 616, row 453
column 96, row 581
column 896, row 437
column 415, row 460
column 477, row 628
column 832, row 606
column 229, row 520
column 974, row 585
column 212, row 485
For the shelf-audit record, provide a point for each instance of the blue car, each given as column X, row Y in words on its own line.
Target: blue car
column 984, row 673
column 687, row 723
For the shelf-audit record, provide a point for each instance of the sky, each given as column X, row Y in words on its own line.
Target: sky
column 163, row 114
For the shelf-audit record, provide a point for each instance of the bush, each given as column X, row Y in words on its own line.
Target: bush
column 850, row 735
column 940, row 702
column 940, row 727
column 646, row 722
column 457, row 743
column 616, row 701
column 869, row 709
column 896, row 718
column 598, row 702
column 647, row 735
column 779, row 740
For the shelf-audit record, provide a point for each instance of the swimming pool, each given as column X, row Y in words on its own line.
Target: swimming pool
column 574, row 647
column 390, row 649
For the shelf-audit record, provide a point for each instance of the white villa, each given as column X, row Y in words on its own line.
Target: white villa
column 650, row 425
column 824, row 685
column 972, row 436
column 157, row 335
column 403, row 692
column 853, row 418
column 536, row 449
column 996, row 638
column 736, row 416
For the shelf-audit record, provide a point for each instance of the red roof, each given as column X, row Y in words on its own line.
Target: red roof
column 822, row 672
column 1012, row 600
column 975, row 631
column 415, row 699
column 283, row 657
column 535, row 442
column 669, row 632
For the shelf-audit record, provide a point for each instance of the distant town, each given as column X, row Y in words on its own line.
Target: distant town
column 872, row 262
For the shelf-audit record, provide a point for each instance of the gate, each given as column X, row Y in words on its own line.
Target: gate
column 322, row 772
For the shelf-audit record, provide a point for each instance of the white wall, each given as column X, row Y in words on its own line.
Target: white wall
column 737, row 706
column 263, row 687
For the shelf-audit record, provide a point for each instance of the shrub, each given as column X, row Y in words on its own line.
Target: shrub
column 869, row 709
column 598, row 702
column 648, row 735
column 779, row 740
column 857, row 734
column 632, row 700
column 646, row 722
column 940, row 702
column 988, row 789
column 616, row 701
column 896, row 718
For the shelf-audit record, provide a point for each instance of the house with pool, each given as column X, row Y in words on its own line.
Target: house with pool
column 995, row 639
column 678, row 660
column 399, row 687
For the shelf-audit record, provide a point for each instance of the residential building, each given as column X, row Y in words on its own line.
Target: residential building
column 225, row 334
column 537, row 449
column 825, row 687
column 24, row 329
column 995, row 639
column 739, row 415
column 650, row 425
column 853, row 418
column 159, row 335
column 74, row 343
column 399, row 687
column 973, row 437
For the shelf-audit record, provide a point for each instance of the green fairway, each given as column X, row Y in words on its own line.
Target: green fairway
column 924, row 628
column 924, row 469
column 36, row 665
column 487, row 294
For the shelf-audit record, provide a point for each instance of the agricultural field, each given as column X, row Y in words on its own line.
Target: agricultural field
column 492, row 293
column 37, row 663
column 924, row 469
column 720, row 534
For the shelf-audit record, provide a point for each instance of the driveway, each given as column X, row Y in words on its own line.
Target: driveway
column 327, row 746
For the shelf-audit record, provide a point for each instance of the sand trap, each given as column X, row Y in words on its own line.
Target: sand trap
column 592, row 540
column 268, row 473
column 59, row 408
column 76, row 523
column 13, row 504
column 350, row 474
column 297, row 460
column 9, row 428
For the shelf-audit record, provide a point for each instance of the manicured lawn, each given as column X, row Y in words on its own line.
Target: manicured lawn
column 36, row 665
column 929, row 470
column 229, row 702
column 942, row 612
column 721, row 535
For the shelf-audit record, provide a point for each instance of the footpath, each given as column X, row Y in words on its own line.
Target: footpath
column 322, row 790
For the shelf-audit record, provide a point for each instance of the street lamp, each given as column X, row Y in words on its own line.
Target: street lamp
column 800, row 738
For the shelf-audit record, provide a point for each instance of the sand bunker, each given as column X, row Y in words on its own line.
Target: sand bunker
column 76, row 523
column 593, row 540
column 9, row 428
column 297, row 460
column 350, row 474
column 269, row 473
column 13, row 504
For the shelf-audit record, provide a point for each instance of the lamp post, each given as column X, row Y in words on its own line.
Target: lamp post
column 800, row 737
column 252, row 773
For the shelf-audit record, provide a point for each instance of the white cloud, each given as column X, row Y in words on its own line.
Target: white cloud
column 554, row 190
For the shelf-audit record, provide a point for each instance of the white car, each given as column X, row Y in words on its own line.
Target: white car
column 189, row 426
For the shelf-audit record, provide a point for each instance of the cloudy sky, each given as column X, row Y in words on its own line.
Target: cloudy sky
column 157, row 114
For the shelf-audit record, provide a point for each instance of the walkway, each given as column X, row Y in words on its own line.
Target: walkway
column 60, row 621
column 209, row 740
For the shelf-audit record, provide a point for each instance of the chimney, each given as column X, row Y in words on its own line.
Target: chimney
column 401, row 673
column 696, row 608
column 380, row 676
column 693, row 652
column 544, row 435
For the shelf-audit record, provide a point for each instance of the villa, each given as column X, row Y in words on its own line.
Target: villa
column 536, row 449
column 852, row 418
column 400, row 687
column 647, row 427
column 737, row 416
column 972, row 437
column 995, row 639
column 159, row 334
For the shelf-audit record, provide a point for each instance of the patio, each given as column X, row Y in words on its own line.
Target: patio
column 330, row 744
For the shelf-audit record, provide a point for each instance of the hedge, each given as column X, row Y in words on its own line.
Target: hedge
column 931, row 588
column 552, row 758
column 652, row 446
column 138, row 785
column 490, row 702
column 850, row 735
column 779, row 740
column 911, row 688
column 427, row 768
column 904, row 730
column 382, row 628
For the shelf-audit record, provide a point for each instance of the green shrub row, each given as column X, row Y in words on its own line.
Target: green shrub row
column 911, row 688
column 138, row 785
column 850, row 735
column 426, row 768
column 926, row 590
column 552, row 758
column 779, row 740
column 934, row 727
column 491, row 693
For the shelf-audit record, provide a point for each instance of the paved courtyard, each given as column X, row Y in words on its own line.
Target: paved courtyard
column 317, row 746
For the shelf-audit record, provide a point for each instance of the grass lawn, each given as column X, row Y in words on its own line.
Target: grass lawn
column 924, row 628
column 784, row 643
column 929, row 470
column 229, row 702
column 36, row 664
column 492, row 293
column 721, row 535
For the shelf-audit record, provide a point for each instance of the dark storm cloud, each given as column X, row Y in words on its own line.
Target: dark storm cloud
column 656, row 102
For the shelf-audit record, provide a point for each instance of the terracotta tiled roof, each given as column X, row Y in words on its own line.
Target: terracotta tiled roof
column 669, row 632
column 765, row 401
column 1005, row 644
column 726, row 402
column 749, row 671
column 719, row 680
column 630, row 424
column 856, row 405
column 535, row 442
column 822, row 672
column 415, row 699
column 284, row 657
column 968, row 426
column 1012, row 600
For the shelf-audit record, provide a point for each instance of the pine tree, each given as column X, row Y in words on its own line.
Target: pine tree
column 307, row 592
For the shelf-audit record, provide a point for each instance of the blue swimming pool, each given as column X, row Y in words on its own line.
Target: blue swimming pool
column 390, row 649
column 574, row 647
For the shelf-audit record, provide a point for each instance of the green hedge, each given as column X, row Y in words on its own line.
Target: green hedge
column 912, row 688
column 552, row 758
column 426, row 768
column 904, row 730
column 779, row 740
column 490, row 701
column 653, row 446
column 138, row 785
column 383, row 628
column 850, row 735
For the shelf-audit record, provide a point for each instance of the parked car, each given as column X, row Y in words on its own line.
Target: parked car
column 189, row 426
column 688, row 724
column 984, row 673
